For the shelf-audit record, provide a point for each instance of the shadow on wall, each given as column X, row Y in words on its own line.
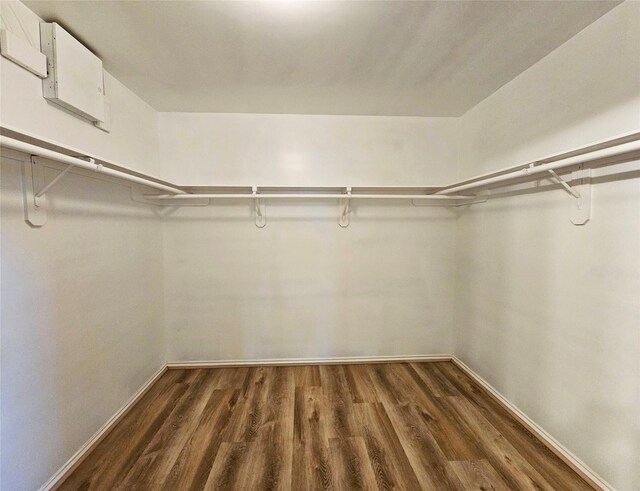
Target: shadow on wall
column 325, row 212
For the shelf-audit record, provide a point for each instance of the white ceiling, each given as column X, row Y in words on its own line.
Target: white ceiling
column 332, row 57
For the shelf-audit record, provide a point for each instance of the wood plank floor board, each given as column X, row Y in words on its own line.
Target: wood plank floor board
column 225, row 472
column 437, row 383
column 244, row 423
column 456, row 441
column 158, row 457
column 337, row 401
column 556, row 472
column 351, row 465
column 476, row 475
column 311, row 462
column 193, row 466
column 360, row 384
column 273, row 454
column 503, row 457
column 424, row 453
column 262, row 430
column 392, row 426
column 118, row 452
column 392, row 385
column 232, row 378
column 307, row 375
column 389, row 461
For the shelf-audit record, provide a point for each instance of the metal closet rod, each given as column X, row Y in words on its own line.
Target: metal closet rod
column 5, row 141
column 533, row 169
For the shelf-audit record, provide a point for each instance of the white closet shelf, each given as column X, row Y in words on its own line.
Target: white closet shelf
column 86, row 162
column 311, row 193
column 461, row 193
column 627, row 146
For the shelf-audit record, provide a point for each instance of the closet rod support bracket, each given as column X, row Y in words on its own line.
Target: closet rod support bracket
column 581, row 206
column 580, row 191
column 345, row 209
column 35, row 202
column 259, row 208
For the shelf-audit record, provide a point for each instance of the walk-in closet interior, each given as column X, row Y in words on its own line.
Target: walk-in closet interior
column 303, row 245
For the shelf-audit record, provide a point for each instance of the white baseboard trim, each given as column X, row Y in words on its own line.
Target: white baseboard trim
column 551, row 443
column 58, row 478
column 306, row 361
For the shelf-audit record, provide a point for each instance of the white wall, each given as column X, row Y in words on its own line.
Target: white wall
column 132, row 141
column 549, row 312
column 81, row 319
column 298, row 150
column 303, row 287
column 82, row 316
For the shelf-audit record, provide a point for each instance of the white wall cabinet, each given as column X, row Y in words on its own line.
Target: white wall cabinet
column 75, row 79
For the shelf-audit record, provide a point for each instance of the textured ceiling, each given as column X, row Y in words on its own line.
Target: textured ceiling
column 333, row 57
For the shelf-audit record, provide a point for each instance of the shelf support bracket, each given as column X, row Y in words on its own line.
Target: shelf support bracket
column 345, row 209
column 41, row 193
column 35, row 203
column 564, row 184
column 259, row 208
column 34, row 190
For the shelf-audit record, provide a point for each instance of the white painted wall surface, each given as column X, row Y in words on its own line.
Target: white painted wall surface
column 132, row 141
column 81, row 319
column 303, row 287
column 298, row 150
column 547, row 312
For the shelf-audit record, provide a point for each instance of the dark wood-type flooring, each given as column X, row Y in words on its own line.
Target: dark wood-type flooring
column 406, row 426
